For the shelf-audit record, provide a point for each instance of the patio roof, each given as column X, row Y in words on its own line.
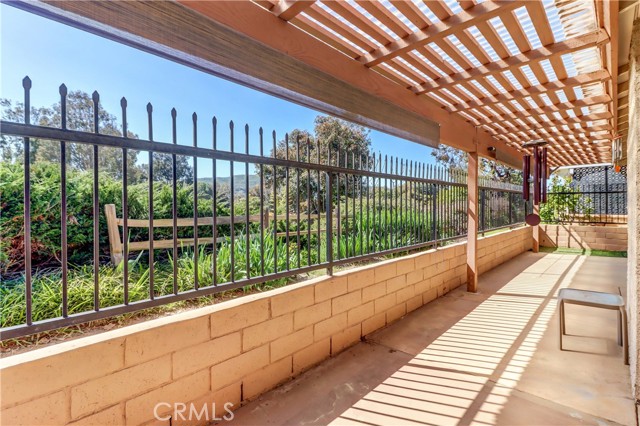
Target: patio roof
column 520, row 70
column 484, row 73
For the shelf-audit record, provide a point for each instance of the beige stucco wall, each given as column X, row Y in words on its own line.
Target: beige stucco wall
column 233, row 351
column 633, row 182
column 610, row 237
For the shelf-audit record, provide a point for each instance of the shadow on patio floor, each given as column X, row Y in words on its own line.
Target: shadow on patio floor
column 489, row 358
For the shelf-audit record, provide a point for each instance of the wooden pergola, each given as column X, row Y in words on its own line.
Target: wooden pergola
column 481, row 76
column 517, row 70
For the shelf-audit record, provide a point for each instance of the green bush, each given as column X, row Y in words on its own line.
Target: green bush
column 46, row 212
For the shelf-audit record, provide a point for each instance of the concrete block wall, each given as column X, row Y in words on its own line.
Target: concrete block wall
column 610, row 237
column 231, row 352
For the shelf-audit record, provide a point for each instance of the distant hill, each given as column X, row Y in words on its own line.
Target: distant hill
column 238, row 182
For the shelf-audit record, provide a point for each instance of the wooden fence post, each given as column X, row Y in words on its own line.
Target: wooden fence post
column 115, row 243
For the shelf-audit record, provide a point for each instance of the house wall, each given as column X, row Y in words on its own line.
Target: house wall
column 633, row 200
column 229, row 352
column 611, row 237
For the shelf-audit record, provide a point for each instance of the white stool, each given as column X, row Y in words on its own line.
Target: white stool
column 596, row 299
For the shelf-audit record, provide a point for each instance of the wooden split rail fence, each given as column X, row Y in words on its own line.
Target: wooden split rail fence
column 116, row 246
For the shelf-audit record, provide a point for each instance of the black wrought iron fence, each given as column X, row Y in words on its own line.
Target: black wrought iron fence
column 288, row 207
column 594, row 195
column 500, row 205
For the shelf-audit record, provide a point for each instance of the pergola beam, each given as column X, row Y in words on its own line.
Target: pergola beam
column 440, row 30
column 289, row 9
column 535, row 56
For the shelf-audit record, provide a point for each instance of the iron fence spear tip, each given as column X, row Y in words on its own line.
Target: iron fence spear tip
column 123, row 102
column 63, row 90
column 174, row 113
column 26, row 82
column 95, row 96
column 149, row 107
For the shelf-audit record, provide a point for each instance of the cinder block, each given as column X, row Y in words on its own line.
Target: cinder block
column 330, row 326
column 141, row 409
column 312, row 314
column 311, row 355
column 414, row 303
column 267, row 378
column 294, row 342
column 360, row 313
column 238, row 317
column 425, row 259
column 374, row 291
column 396, row 312
column 330, row 288
column 384, row 303
column 203, row 355
column 54, row 369
column 396, row 283
column 159, row 341
column 429, row 296
column 292, row 301
column 100, row 393
column 48, row 410
column 448, row 253
column 345, row 302
column 405, row 294
column 210, row 408
column 374, row 323
column 359, row 279
column 405, row 266
column 112, row 416
column 444, row 289
column 345, row 338
column 422, row 286
column 232, row 370
column 414, row 276
column 267, row 331
column 385, row 272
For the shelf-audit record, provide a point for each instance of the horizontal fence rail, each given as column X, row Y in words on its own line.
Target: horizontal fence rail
column 287, row 207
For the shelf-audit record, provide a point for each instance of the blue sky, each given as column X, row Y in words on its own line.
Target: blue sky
column 52, row 53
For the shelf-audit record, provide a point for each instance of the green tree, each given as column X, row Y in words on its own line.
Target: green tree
column 79, row 117
column 455, row 159
column 80, row 156
column 330, row 136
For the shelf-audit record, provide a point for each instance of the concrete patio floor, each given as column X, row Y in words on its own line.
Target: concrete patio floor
column 489, row 358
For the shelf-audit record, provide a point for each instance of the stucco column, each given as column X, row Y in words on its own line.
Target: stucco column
column 633, row 200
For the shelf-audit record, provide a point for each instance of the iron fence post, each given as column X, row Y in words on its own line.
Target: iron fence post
column 434, row 218
column 329, row 225
column 606, row 193
column 482, row 200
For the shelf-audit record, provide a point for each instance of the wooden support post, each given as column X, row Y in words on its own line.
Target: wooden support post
column 472, row 223
column 536, row 232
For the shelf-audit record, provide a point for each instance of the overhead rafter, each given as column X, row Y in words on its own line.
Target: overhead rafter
column 438, row 31
column 531, row 57
column 577, row 81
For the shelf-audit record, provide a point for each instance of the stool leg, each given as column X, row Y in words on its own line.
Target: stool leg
column 620, row 328
column 561, row 319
